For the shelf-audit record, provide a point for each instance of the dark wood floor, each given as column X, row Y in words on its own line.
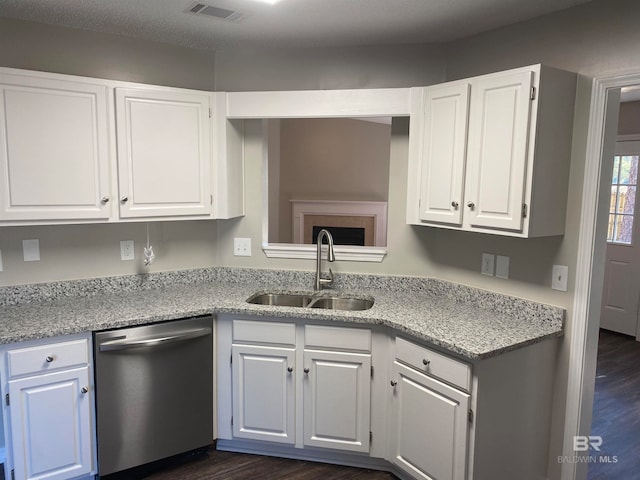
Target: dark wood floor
column 616, row 408
column 212, row 464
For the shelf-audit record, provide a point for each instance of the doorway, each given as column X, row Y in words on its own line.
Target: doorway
column 621, row 293
column 584, row 330
column 616, row 403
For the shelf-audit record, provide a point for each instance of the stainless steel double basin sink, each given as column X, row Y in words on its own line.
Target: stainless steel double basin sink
column 311, row 300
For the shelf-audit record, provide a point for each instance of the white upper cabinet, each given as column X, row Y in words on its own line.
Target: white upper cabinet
column 163, row 153
column 54, row 149
column 497, row 152
column 444, row 138
column 491, row 153
column 87, row 150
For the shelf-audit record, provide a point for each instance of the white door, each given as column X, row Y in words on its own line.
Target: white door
column 429, row 432
column 54, row 149
column 621, row 292
column 163, row 153
column 51, row 425
column 263, row 393
column 443, row 153
column 337, row 400
column 497, row 151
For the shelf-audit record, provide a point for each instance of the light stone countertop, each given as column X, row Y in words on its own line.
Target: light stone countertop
column 468, row 322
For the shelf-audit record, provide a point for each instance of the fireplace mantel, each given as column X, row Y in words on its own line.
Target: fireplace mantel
column 372, row 216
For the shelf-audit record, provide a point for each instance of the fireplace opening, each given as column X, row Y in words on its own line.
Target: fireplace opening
column 341, row 235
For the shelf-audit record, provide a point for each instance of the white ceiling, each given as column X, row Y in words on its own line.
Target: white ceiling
column 289, row 22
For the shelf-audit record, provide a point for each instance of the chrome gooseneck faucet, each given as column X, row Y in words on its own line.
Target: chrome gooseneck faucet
column 320, row 280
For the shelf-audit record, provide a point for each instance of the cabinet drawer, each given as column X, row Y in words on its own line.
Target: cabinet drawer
column 42, row 358
column 250, row 331
column 435, row 364
column 337, row 338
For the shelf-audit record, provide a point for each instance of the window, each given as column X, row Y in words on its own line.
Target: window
column 624, row 184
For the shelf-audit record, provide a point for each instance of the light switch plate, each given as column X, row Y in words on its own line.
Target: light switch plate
column 502, row 267
column 31, row 250
column 488, row 264
column 559, row 277
column 242, row 247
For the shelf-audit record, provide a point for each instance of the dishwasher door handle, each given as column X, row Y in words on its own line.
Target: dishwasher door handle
column 124, row 344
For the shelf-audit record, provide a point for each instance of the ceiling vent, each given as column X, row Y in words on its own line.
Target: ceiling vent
column 213, row 11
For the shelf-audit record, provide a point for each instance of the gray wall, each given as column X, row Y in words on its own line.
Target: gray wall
column 330, row 159
column 36, row 46
column 629, row 118
column 329, row 68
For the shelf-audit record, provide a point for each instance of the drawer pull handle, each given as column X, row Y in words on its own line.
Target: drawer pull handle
column 426, row 362
column 50, row 358
column 84, row 390
column 306, row 370
column 289, row 369
column 393, row 383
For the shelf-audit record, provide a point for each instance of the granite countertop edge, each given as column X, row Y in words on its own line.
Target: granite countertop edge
column 464, row 321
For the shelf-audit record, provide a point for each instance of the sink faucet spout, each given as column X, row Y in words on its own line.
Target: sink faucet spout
column 331, row 257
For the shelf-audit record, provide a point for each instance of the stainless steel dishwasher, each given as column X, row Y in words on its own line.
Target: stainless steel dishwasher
column 154, row 392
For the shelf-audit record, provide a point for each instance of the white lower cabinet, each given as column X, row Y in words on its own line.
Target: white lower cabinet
column 48, row 410
column 337, row 398
column 429, row 426
column 263, row 393
column 369, row 397
column 286, row 393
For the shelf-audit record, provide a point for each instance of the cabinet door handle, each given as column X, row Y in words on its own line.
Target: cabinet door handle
column 426, row 362
column 393, row 383
column 84, row 390
column 124, row 199
column 306, row 370
column 50, row 358
column 471, row 205
column 455, row 204
column 104, row 200
column 289, row 369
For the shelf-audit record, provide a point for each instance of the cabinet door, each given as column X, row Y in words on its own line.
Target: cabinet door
column 54, row 149
column 443, row 153
column 497, row 151
column 263, row 393
column 429, row 432
column 51, row 425
column 337, row 400
column 163, row 153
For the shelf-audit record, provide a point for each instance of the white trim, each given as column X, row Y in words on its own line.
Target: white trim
column 377, row 210
column 376, row 102
column 348, row 253
column 583, row 331
column 632, row 137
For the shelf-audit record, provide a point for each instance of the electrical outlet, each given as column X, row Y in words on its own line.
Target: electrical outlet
column 502, row 267
column 488, row 264
column 560, row 277
column 242, row 247
column 127, row 251
column 31, row 250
